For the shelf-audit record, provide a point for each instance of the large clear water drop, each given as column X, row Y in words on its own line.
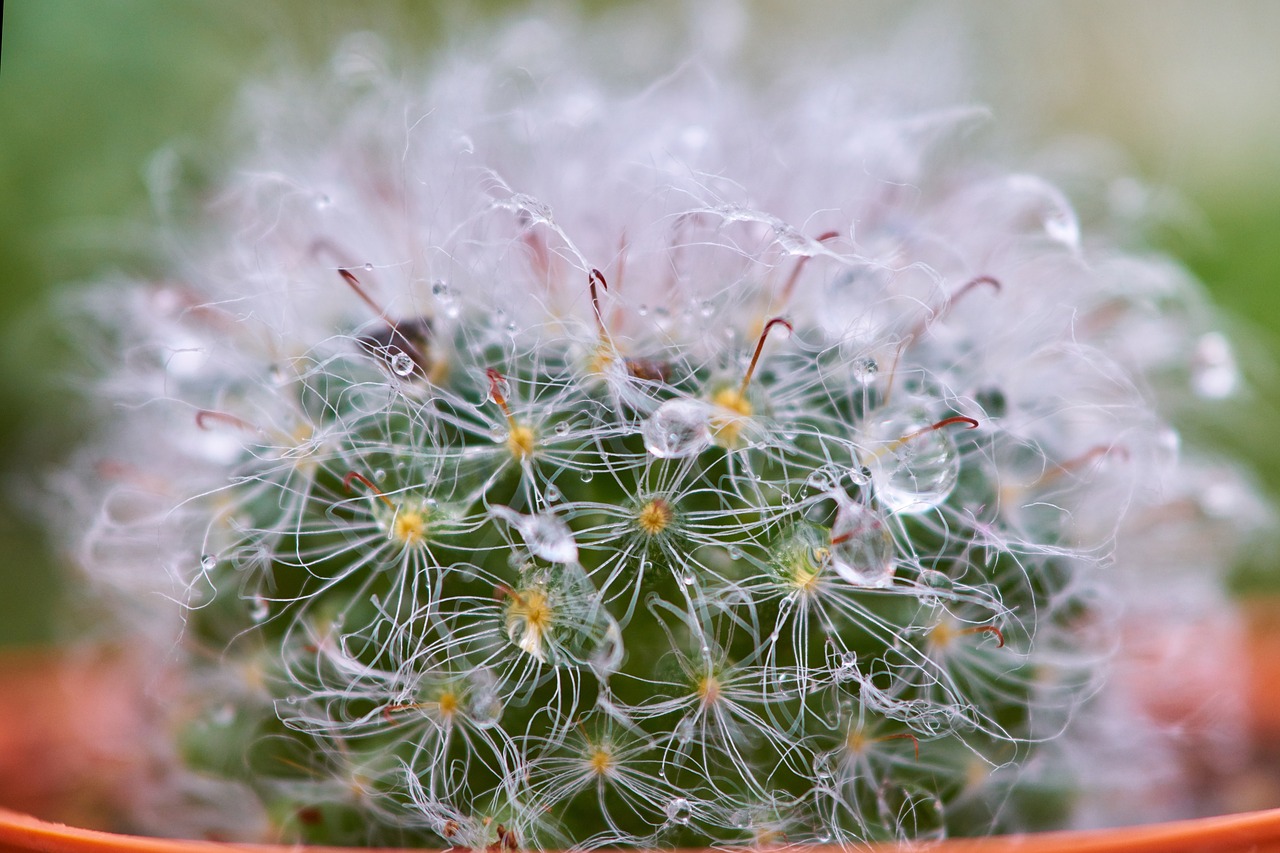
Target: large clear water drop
column 679, row 810
column 679, row 428
column 544, row 534
column 862, row 549
column 913, row 468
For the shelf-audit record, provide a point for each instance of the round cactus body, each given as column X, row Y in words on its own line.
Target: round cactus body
column 545, row 469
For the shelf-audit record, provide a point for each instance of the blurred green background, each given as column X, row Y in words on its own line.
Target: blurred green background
column 89, row 91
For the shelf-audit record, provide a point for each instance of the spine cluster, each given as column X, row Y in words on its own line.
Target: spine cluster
column 528, row 479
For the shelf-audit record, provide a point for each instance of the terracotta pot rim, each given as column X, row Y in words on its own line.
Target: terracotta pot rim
column 1255, row 831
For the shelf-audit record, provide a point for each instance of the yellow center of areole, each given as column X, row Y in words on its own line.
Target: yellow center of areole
column 709, row 690
column 601, row 761
column 529, row 618
column 732, row 411
column 602, row 359
column 409, row 527
column 943, row 634
column 856, row 742
column 808, row 569
column 448, row 704
column 655, row 517
column 521, row 441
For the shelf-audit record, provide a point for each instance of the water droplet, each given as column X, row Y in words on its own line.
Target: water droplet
column 536, row 210
column 552, row 494
column 562, row 427
column 499, row 387
column 706, row 309
column 865, row 370
column 678, row 429
column 643, row 310
column 380, row 475
column 687, row 579
column 1063, row 228
column 860, row 475
column 1214, row 375
column 444, row 298
column 1055, row 213
column 684, row 730
column 679, row 810
column 735, row 553
column 368, row 267
column 484, row 709
column 587, row 476
column 511, row 329
column 862, row 549
column 260, row 610
column 934, row 579
column 544, row 534
column 323, row 202
column 608, row 655
column 912, row 467
column 401, row 364
column 208, row 562
column 818, row 480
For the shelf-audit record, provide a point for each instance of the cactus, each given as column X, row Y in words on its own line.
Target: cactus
column 547, row 471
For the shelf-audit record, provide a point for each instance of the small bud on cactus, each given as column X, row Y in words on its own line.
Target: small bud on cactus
column 548, row 469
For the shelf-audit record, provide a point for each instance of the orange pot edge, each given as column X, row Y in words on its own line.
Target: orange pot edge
column 1255, row 832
